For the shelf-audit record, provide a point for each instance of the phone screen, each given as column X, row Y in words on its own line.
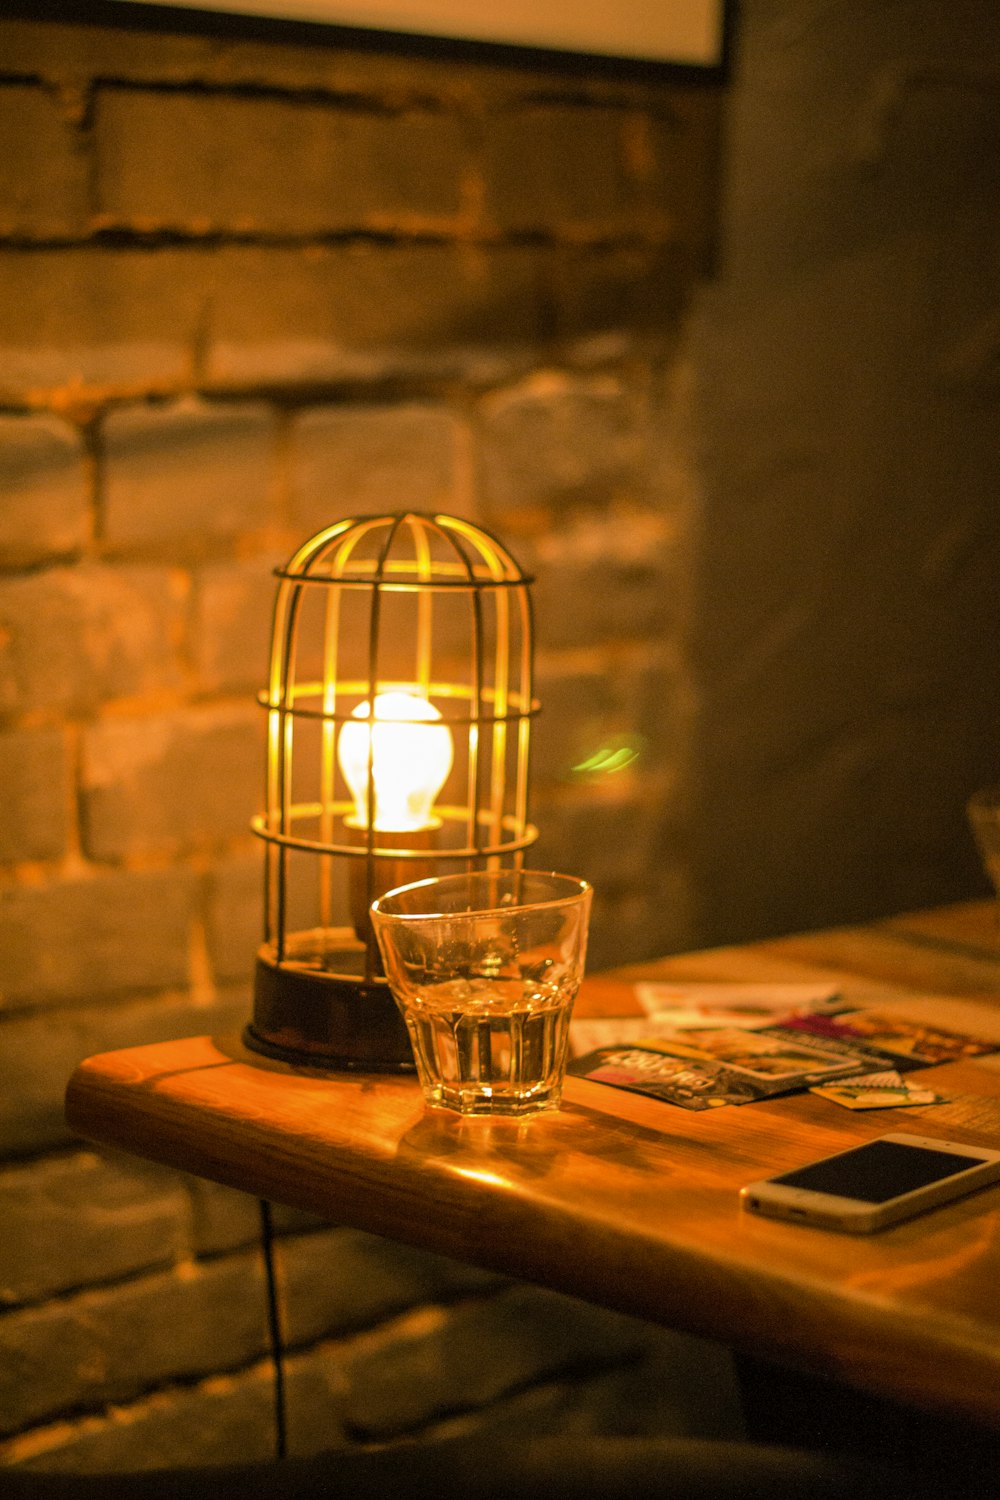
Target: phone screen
column 878, row 1171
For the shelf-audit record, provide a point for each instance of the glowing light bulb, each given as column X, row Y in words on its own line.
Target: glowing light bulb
column 411, row 755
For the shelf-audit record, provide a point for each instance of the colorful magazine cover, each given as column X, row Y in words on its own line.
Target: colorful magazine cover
column 909, row 1043
column 719, row 1066
column 703, row 1066
column 690, row 1085
column 774, row 1057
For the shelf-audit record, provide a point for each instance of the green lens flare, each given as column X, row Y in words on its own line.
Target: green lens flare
column 609, row 759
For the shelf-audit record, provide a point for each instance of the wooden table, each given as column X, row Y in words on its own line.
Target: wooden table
column 632, row 1203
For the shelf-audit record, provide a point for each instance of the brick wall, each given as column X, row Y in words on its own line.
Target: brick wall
column 248, row 286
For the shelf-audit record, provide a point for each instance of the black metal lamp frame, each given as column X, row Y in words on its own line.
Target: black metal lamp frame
column 438, row 607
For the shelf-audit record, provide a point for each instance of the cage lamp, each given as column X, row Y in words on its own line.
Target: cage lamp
column 399, row 706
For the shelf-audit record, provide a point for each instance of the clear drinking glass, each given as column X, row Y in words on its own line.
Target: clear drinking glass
column 485, row 968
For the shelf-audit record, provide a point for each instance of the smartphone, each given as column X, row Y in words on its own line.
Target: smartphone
column 879, row 1183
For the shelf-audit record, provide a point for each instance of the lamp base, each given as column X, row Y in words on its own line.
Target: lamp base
column 319, row 1020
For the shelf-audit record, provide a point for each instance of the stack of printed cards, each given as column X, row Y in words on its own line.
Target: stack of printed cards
column 910, row 1044
column 669, row 1008
column 888, row 1090
column 701, row 1046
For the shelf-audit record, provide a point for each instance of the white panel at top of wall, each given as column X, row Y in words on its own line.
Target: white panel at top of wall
column 689, row 32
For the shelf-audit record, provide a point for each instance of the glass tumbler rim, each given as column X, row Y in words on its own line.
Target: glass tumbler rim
column 581, row 888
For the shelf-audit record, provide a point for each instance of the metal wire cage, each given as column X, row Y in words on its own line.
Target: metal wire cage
column 399, row 713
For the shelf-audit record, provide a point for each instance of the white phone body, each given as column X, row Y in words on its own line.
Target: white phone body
column 874, row 1184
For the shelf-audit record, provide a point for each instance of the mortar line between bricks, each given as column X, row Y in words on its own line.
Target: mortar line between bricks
column 127, row 237
column 289, row 396
column 574, row 1372
column 596, row 93
column 14, row 1165
column 93, row 1292
column 325, row 1343
column 128, row 1407
column 362, row 101
column 33, row 1442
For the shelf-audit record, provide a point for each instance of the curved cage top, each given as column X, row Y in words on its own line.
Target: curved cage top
column 401, row 549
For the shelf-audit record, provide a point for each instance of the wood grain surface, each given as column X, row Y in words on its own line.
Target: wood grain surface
column 629, row 1202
